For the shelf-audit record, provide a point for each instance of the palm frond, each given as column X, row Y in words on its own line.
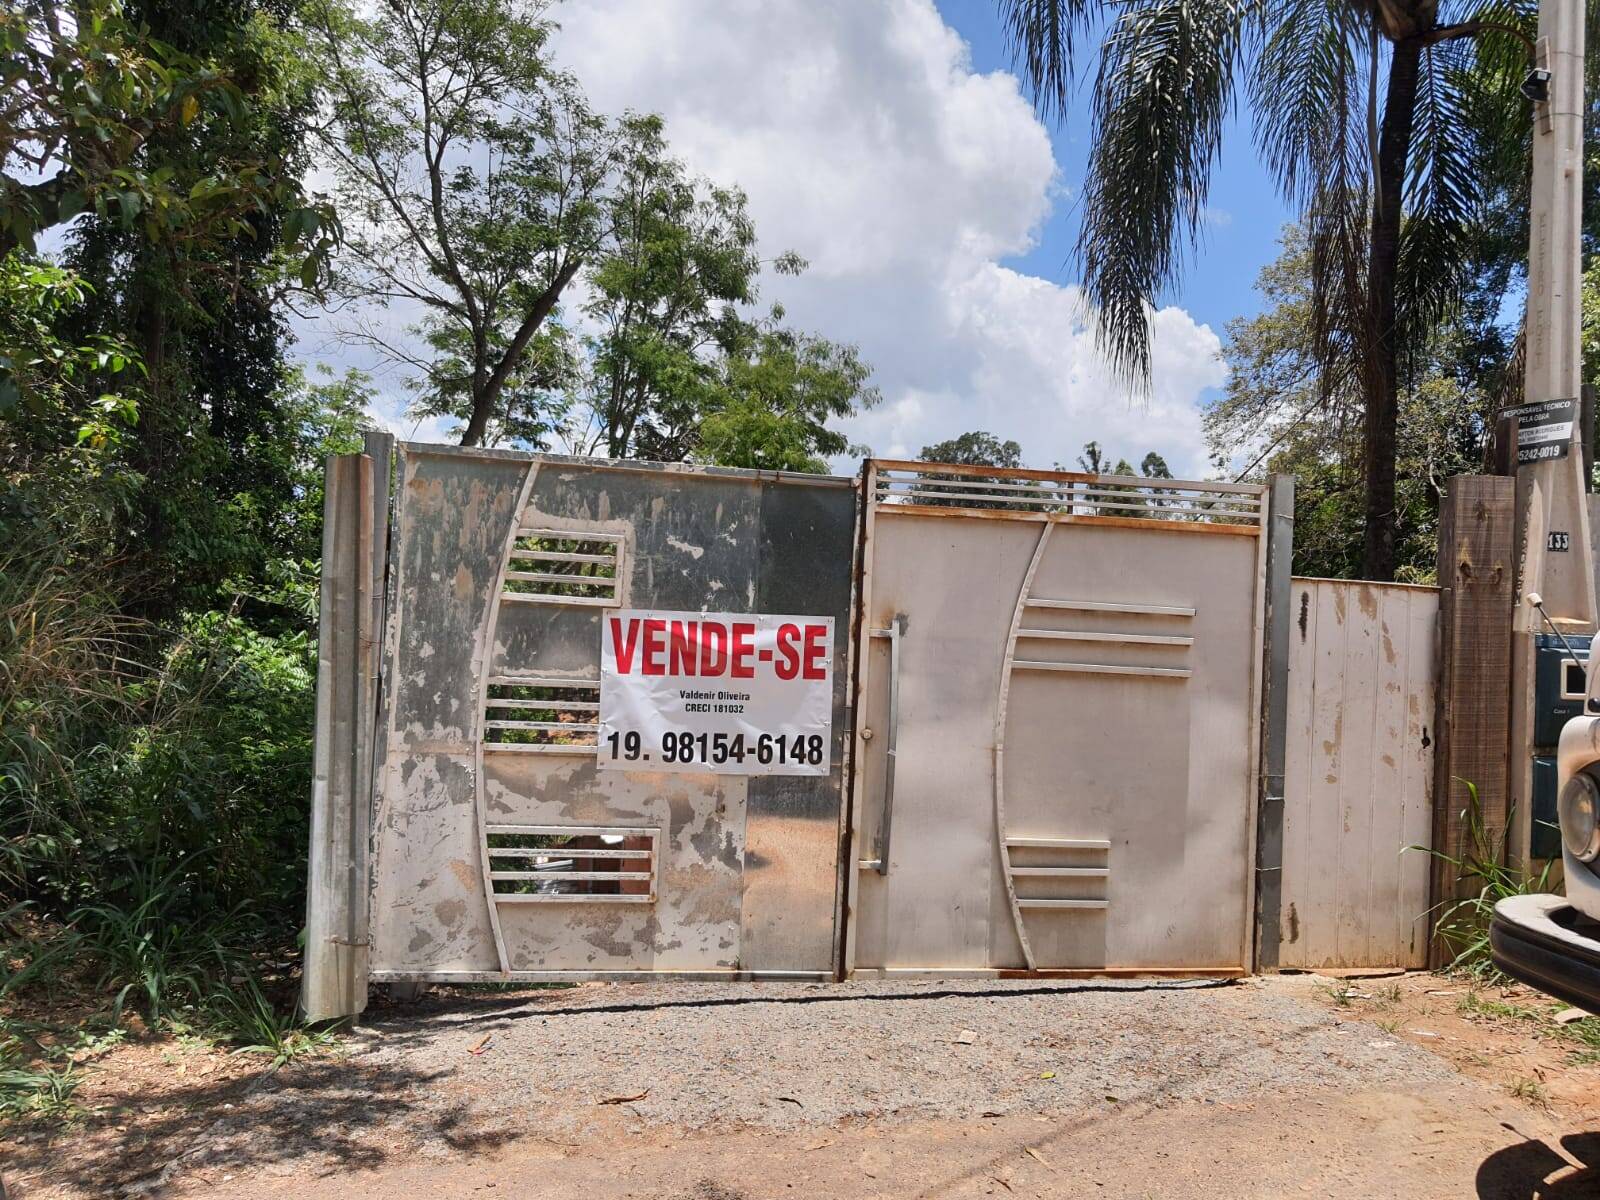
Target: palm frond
column 1041, row 37
column 1443, row 193
column 1163, row 96
column 1311, row 81
column 1306, row 93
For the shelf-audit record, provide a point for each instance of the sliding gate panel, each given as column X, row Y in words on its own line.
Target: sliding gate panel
column 501, row 849
column 1058, row 719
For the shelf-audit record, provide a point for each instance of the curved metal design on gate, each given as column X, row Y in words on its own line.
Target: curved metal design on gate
column 1000, row 742
column 484, row 657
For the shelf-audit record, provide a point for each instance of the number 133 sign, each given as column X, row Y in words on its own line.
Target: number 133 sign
column 719, row 692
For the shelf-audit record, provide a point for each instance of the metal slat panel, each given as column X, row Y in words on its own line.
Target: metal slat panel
column 550, row 726
column 545, row 598
column 556, row 577
column 555, row 873
column 526, row 852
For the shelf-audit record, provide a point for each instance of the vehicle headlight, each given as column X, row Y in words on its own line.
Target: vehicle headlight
column 1579, row 813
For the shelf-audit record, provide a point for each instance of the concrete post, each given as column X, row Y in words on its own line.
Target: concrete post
column 1553, row 520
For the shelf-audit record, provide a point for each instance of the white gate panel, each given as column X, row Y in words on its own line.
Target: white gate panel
column 1358, row 774
column 1057, row 716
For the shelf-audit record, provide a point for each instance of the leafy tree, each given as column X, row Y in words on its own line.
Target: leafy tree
column 475, row 177
column 675, row 368
column 975, row 449
column 1275, row 415
column 680, row 260
column 87, row 90
column 53, row 404
column 206, row 315
column 1388, row 184
column 772, row 401
column 536, row 402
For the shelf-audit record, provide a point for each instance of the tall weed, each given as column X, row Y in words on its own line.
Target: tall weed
column 1463, row 925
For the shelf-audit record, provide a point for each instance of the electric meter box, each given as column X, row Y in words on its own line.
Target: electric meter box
column 1558, row 686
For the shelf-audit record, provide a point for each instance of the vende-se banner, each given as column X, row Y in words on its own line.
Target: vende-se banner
column 721, row 692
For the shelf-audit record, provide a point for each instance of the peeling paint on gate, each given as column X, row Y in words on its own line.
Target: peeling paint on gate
column 1358, row 775
column 747, row 877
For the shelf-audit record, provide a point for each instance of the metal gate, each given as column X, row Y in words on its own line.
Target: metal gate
column 500, row 850
column 1359, row 774
column 1052, row 754
column 1057, row 722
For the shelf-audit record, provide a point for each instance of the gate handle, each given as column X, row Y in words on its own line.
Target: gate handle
column 896, row 630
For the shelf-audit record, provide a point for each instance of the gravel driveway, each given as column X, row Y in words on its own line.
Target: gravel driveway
column 781, row 1055
column 961, row 1088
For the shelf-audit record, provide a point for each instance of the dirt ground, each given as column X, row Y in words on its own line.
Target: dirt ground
column 1411, row 1087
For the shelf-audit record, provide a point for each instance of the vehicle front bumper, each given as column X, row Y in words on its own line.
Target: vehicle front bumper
column 1546, row 943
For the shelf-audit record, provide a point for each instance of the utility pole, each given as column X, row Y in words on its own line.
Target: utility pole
column 1556, row 579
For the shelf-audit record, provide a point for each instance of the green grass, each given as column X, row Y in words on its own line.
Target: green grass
column 38, row 1092
column 1463, row 925
column 1531, row 1091
column 1581, row 1037
column 244, row 1016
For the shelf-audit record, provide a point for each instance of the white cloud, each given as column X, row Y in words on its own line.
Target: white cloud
column 867, row 143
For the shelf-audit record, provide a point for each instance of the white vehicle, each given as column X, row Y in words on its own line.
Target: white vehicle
column 1553, row 942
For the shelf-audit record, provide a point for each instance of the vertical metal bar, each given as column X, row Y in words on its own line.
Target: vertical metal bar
column 844, row 883
column 376, row 474
column 331, row 981
column 1274, row 723
column 897, row 629
column 855, row 840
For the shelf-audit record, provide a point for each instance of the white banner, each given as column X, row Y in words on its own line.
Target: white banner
column 722, row 692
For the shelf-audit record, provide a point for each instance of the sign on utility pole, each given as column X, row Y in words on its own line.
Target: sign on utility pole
column 1556, row 580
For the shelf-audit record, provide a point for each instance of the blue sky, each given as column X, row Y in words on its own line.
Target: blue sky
column 1247, row 214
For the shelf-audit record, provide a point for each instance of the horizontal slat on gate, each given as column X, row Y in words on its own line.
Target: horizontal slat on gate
column 1102, row 669
column 1132, row 639
column 550, row 577
column 496, row 852
column 1162, row 610
column 1045, row 843
column 552, row 726
column 558, row 874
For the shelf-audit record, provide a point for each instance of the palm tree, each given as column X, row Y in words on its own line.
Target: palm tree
column 1373, row 115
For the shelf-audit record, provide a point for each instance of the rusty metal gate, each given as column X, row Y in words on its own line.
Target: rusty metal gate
column 1057, row 722
column 499, row 850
